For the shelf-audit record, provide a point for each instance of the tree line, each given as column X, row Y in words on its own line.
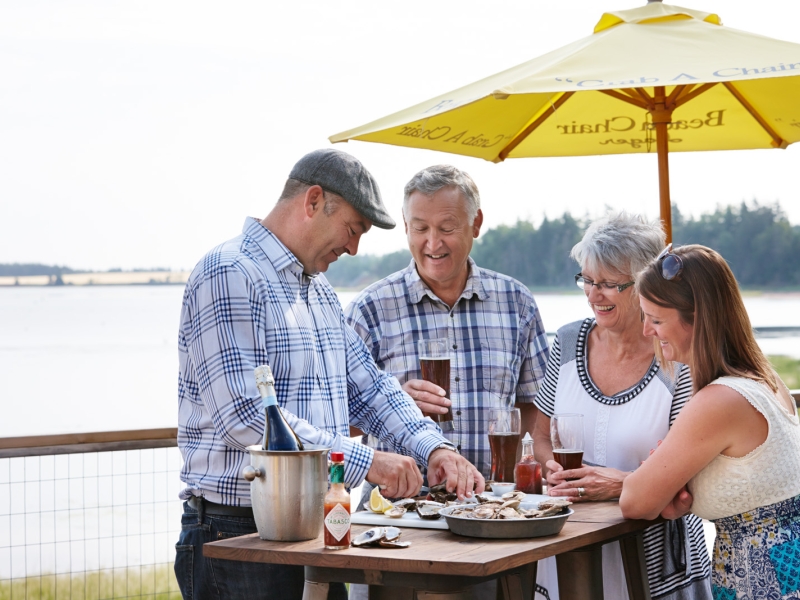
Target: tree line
column 757, row 240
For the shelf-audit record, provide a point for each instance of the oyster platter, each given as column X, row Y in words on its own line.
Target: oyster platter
column 511, row 515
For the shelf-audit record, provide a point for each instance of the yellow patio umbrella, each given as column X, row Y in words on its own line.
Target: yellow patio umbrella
column 657, row 78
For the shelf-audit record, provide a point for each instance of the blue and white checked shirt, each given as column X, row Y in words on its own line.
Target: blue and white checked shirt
column 499, row 346
column 248, row 303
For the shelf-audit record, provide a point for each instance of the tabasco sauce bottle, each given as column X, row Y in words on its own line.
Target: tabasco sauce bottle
column 337, row 507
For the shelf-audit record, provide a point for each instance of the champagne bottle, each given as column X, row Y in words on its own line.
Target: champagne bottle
column 278, row 434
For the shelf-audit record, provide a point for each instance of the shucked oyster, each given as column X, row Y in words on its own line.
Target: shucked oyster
column 370, row 536
column 377, row 535
column 429, row 510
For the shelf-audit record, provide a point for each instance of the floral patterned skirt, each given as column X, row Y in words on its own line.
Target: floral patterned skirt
column 757, row 554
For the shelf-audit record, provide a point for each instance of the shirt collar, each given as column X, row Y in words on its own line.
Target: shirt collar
column 277, row 253
column 418, row 289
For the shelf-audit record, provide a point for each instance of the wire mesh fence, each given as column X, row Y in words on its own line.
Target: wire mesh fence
column 91, row 525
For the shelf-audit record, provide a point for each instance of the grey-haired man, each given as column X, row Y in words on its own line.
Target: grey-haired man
column 259, row 299
column 498, row 352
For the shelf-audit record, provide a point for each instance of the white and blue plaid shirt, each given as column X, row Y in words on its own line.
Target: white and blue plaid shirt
column 498, row 345
column 248, row 303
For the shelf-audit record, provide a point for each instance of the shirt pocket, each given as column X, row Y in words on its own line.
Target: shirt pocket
column 496, row 370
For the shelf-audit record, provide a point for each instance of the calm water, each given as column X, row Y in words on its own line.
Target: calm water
column 105, row 358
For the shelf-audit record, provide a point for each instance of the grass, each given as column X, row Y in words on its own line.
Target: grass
column 789, row 370
column 152, row 582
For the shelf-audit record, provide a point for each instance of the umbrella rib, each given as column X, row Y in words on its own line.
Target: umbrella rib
column 676, row 93
column 777, row 140
column 693, row 94
column 625, row 98
column 520, row 137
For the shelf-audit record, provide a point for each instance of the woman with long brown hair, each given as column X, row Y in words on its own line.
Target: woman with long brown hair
column 733, row 454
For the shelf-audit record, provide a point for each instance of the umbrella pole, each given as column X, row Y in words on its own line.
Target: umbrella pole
column 662, row 116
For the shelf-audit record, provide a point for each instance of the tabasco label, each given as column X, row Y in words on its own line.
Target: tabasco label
column 337, row 522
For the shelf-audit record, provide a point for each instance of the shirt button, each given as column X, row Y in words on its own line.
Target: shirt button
column 458, row 379
column 458, row 412
column 455, row 346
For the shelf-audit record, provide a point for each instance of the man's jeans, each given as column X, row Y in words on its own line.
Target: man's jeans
column 203, row 578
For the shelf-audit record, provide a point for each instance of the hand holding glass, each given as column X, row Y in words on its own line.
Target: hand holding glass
column 566, row 435
column 434, row 360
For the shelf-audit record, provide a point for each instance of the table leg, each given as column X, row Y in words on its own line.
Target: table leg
column 518, row 585
column 580, row 574
column 379, row 592
column 314, row 590
column 632, row 548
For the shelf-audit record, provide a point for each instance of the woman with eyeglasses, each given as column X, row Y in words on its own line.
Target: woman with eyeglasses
column 605, row 368
column 733, row 454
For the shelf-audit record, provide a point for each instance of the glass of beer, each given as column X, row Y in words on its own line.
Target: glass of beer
column 504, row 430
column 566, row 435
column 434, row 359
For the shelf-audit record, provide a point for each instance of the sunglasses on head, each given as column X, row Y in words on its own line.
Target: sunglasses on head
column 671, row 264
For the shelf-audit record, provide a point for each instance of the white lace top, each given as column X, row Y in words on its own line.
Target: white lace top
column 730, row 486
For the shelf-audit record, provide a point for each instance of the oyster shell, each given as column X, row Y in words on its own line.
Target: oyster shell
column 439, row 493
column 370, row 536
column 429, row 510
column 483, row 512
column 515, row 495
column 407, row 503
column 393, row 544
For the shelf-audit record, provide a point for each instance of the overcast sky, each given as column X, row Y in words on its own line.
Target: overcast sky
column 139, row 134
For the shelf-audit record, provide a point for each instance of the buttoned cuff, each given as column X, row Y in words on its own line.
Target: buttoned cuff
column 357, row 461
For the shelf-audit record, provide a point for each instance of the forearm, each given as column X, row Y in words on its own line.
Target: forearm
column 528, row 415
column 357, row 457
column 542, row 446
column 636, row 503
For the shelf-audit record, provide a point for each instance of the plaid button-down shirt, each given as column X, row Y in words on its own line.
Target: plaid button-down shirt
column 498, row 345
column 248, row 303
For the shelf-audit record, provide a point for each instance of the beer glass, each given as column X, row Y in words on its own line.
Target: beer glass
column 434, row 359
column 566, row 435
column 504, row 431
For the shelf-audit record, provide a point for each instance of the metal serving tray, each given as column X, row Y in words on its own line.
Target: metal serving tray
column 506, row 528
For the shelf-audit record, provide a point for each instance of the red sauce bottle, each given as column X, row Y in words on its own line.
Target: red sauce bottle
column 337, row 507
column 528, row 472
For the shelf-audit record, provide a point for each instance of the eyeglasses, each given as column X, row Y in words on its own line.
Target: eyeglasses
column 586, row 284
column 671, row 264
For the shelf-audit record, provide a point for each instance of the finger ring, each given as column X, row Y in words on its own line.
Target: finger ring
column 581, row 492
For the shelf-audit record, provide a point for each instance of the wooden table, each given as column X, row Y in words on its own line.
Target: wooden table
column 440, row 561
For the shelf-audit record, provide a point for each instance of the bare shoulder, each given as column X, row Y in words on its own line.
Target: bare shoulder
column 720, row 402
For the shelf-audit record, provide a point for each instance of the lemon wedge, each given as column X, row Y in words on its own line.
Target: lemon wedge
column 378, row 503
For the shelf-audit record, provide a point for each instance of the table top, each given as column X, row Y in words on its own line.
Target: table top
column 436, row 551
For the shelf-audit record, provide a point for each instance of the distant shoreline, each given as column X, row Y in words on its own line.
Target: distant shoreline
column 104, row 278
column 138, row 278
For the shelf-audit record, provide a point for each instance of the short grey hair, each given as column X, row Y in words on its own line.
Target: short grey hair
column 431, row 180
column 622, row 242
column 294, row 188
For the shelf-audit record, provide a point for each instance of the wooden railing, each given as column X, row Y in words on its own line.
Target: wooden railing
column 76, row 443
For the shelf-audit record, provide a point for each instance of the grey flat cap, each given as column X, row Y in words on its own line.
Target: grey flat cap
column 342, row 174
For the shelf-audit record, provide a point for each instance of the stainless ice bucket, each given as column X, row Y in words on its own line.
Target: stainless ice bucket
column 287, row 490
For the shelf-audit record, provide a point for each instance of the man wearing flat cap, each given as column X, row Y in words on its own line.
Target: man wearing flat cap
column 260, row 299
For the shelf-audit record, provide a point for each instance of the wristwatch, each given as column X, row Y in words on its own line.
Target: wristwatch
column 446, row 446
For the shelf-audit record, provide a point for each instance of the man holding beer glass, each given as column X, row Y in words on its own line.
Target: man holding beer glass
column 460, row 339
column 485, row 324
